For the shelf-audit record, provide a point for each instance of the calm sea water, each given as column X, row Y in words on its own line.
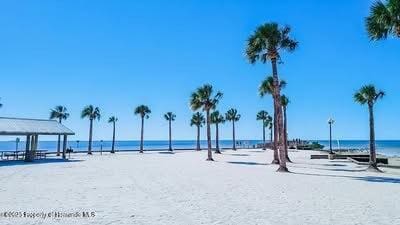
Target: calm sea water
column 389, row 148
column 124, row 145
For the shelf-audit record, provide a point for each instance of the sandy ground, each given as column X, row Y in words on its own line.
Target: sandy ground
column 240, row 187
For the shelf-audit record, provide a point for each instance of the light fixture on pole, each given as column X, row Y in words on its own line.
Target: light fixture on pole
column 330, row 122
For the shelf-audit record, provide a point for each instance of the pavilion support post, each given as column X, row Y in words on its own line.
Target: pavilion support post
column 64, row 147
column 27, row 149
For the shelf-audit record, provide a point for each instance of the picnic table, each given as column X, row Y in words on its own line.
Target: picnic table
column 15, row 155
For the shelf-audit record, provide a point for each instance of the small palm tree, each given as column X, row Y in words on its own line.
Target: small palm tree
column 204, row 98
column 60, row 113
column 217, row 118
column 169, row 116
column 92, row 113
column 384, row 20
column 265, row 44
column 285, row 101
column 369, row 95
column 198, row 121
column 143, row 111
column 263, row 116
column 267, row 87
column 113, row 120
column 233, row 116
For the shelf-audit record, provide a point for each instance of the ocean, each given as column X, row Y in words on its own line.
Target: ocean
column 385, row 147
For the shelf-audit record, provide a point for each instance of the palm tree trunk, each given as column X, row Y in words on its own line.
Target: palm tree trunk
column 217, row 139
column 276, row 136
column 90, row 137
column 233, row 135
column 270, row 135
column 278, row 105
column 285, row 134
column 372, row 157
column 113, row 140
column 141, row 136
column 263, row 135
column 198, row 138
column 209, row 152
column 170, row 135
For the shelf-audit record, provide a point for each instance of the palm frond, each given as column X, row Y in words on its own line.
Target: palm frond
column 143, row 111
column 197, row 119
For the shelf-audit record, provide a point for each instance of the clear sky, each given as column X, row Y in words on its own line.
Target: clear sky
column 119, row 54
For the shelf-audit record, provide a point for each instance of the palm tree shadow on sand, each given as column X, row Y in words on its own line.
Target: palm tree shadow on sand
column 248, row 163
column 41, row 161
column 374, row 179
column 238, row 154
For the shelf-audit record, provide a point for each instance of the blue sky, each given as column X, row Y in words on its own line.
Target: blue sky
column 119, row 54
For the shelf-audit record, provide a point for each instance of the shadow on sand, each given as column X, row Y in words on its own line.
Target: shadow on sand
column 238, row 154
column 374, row 179
column 247, row 163
column 39, row 161
column 167, row 153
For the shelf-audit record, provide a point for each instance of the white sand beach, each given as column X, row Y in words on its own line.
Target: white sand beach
column 240, row 187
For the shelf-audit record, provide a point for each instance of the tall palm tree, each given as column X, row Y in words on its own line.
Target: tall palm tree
column 143, row 111
column 92, row 113
column 204, row 98
column 233, row 116
column 113, row 120
column 170, row 116
column 285, row 101
column 198, row 121
column 369, row 95
column 217, row 118
column 60, row 113
column 267, row 87
column 384, row 20
column 265, row 44
column 263, row 116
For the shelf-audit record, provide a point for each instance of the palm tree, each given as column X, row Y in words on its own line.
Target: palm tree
column 169, row 116
column 384, row 20
column 204, row 98
column 267, row 87
column 233, row 116
column 369, row 95
column 92, row 113
column 217, row 118
column 60, row 113
column 285, row 101
column 113, row 120
column 265, row 44
column 143, row 111
column 198, row 121
column 263, row 116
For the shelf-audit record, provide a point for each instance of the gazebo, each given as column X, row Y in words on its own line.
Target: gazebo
column 32, row 128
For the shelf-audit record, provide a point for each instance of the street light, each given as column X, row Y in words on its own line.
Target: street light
column 330, row 122
column 101, row 147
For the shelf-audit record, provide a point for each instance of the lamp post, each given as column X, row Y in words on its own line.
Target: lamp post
column 101, row 147
column 330, row 122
